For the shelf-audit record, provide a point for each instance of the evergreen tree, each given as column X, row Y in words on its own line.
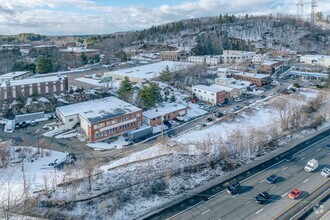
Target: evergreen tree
column 44, row 65
column 125, row 90
column 148, row 96
column 84, row 58
column 165, row 74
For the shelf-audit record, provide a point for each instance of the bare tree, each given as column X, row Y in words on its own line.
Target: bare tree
column 89, row 169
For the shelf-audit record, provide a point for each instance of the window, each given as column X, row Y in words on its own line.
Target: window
column 71, row 119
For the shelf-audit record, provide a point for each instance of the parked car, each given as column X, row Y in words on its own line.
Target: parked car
column 272, row 179
column 209, row 119
column 33, row 123
column 218, row 114
column 325, row 172
column 88, row 76
column 23, row 124
column 234, row 188
column 295, row 193
column 262, row 197
column 168, row 124
column 263, row 96
column 289, row 158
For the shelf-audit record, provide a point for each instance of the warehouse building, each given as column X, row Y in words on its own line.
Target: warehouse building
column 213, row 94
column 101, row 119
column 256, row 79
column 167, row 112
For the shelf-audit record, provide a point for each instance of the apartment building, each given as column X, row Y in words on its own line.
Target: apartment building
column 101, row 119
column 44, row 86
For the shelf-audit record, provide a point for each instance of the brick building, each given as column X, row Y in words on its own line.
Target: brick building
column 170, row 55
column 269, row 67
column 101, row 119
column 167, row 112
column 256, row 79
column 44, row 86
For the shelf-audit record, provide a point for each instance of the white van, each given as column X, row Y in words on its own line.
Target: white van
column 311, row 165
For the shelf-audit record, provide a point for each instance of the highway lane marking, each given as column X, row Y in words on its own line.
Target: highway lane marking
column 318, row 150
column 323, row 217
column 234, row 196
column 302, row 158
column 284, row 168
column 184, row 210
column 247, row 202
column 259, row 211
column 217, row 194
column 262, row 181
column 306, row 180
column 206, row 211
column 284, row 194
column 294, row 174
column 273, row 187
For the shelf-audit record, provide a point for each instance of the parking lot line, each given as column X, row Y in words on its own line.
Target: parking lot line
column 247, row 202
column 302, row 158
column 273, row 187
column 318, row 149
column 262, row 181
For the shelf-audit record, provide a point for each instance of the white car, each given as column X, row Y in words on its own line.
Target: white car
column 325, row 172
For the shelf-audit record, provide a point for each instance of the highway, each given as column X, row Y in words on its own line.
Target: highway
column 243, row 206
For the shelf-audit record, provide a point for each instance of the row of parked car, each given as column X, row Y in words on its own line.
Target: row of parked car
column 24, row 124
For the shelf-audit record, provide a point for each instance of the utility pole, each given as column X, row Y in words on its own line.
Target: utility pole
column 300, row 9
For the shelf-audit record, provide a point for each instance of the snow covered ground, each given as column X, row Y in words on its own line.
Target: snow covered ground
column 36, row 171
column 119, row 143
column 96, row 82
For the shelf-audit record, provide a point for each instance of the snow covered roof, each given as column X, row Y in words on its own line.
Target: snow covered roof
column 12, row 75
column 269, row 63
column 254, row 75
column 309, row 74
column 33, row 81
column 222, row 88
column 166, row 109
column 316, row 56
column 150, row 71
column 98, row 109
column 225, row 79
column 236, row 86
column 209, row 88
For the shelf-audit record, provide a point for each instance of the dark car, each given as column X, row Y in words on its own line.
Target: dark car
column 262, row 197
column 168, row 124
column 289, row 158
column 234, row 188
column 272, row 179
column 263, row 96
column 209, row 119
column 218, row 114
column 23, row 124
column 327, row 147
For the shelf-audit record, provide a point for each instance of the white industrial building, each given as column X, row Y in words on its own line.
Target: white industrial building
column 212, row 60
column 236, row 56
column 197, row 59
column 212, row 94
column 320, row 60
column 149, row 71
column 223, row 81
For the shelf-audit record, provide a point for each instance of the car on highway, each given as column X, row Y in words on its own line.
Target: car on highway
column 289, row 158
column 325, row 172
column 311, row 165
column 272, row 179
column 327, row 147
column 262, row 197
column 295, row 193
column 234, row 188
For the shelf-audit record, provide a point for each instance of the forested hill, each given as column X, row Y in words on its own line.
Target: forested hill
column 213, row 34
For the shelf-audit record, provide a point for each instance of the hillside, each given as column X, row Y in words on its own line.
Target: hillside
column 214, row 34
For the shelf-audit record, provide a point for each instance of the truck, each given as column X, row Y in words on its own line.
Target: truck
column 311, row 165
column 139, row 133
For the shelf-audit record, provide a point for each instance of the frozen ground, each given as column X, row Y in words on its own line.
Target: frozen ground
column 119, row 143
column 36, row 172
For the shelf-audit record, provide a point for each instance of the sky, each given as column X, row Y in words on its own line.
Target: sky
column 68, row 17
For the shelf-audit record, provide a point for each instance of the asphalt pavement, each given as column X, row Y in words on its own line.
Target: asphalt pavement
column 243, row 206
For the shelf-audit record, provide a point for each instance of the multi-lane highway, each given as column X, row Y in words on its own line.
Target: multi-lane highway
column 243, row 206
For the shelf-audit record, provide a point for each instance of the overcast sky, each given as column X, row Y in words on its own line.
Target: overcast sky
column 56, row 17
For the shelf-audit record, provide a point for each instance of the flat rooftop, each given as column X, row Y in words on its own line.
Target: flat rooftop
column 212, row 88
column 14, row 74
column 269, row 63
column 150, row 71
column 254, row 75
column 32, row 80
column 98, row 109
column 309, row 74
column 316, row 56
column 166, row 109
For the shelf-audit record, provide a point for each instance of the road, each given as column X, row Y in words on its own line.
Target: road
column 243, row 206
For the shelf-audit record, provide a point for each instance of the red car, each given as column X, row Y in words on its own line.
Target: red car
column 294, row 194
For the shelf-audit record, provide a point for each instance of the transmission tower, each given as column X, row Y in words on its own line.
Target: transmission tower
column 313, row 6
column 300, row 9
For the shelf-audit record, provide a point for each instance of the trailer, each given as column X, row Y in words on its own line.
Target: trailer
column 139, row 133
